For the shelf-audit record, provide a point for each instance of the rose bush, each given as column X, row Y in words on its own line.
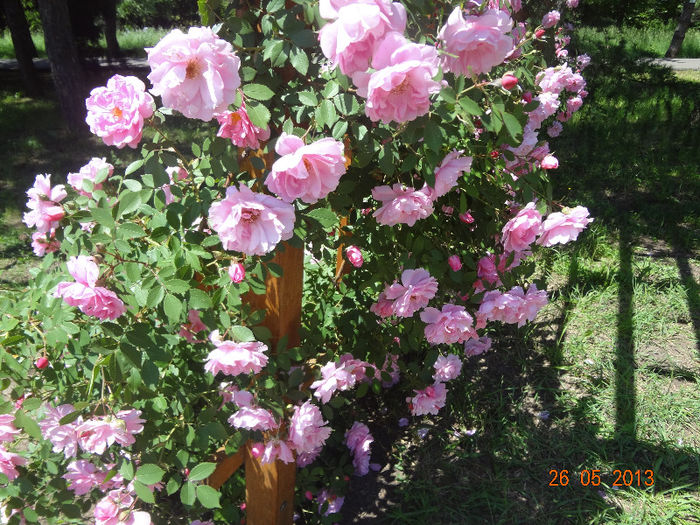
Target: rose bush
column 152, row 356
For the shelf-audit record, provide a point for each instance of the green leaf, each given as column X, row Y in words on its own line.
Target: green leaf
column 258, row 92
column 127, row 470
column 155, row 296
column 433, row 137
column 202, row 471
column 325, row 216
column 241, row 334
column 143, row 492
column 304, row 38
column 470, row 106
column 188, row 493
column 258, row 114
column 149, row 474
column 199, row 300
column 512, row 125
column 448, row 95
column 326, row 114
column 129, row 201
column 208, row 496
column 273, row 50
column 22, row 420
column 133, row 185
column 300, row 61
column 130, row 230
column 308, row 98
column 172, row 307
column 69, row 418
column 172, row 486
column 103, row 217
column 177, row 285
column 131, row 168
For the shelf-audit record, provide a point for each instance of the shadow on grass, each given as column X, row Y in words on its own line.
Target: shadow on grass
column 631, row 157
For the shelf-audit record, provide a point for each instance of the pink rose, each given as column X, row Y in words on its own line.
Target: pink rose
column 8, row 431
column 233, row 358
column 354, row 255
column 236, row 125
column 63, row 437
column 383, row 307
column 351, row 39
column 479, row 42
column 236, row 272
column 447, row 368
column 555, row 129
column 252, row 223
column 521, row 230
column 307, row 172
column 253, row 418
column 90, row 172
column 44, row 243
column 401, row 205
column 454, row 262
column 513, row 306
column 45, row 212
column 400, row 88
column 450, row 169
column 560, row 228
column 277, row 449
column 451, row 325
column 550, row 19
column 477, row 346
column 195, row 73
column 307, row 429
column 116, row 112
column 8, row 462
column 415, row 291
column 509, row 81
column 358, row 440
column 429, row 400
column 549, row 162
column 574, row 104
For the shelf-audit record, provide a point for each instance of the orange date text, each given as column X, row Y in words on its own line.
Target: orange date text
column 593, row 477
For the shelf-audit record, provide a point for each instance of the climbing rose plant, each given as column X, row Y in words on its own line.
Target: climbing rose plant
column 409, row 160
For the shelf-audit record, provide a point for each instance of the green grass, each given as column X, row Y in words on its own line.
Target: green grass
column 641, row 42
column 131, row 41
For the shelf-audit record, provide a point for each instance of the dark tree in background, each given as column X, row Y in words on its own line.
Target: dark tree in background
column 63, row 57
column 681, row 29
column 109, row 14
column 22, row 42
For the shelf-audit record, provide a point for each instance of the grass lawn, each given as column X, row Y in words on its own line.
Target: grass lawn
column 606, row 379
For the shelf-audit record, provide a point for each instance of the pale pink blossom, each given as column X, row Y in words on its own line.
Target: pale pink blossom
column 454, row 262
column 447, row 368
column 383, row 307
column 477, row 346
column 45, row 212
column 401, row 205
column 354, row 255
column 194, row 326
column 334, row 503
column 195, row 73
column 253, row 418
column 83, row 476
column 583, row 61
column 236, row 125
column 252, row 223
column 358, row 439
column 550, row 19
column 414, row 292
column 521, row 230
column 277, row 449
column 400, row 87
column 116, row 509
column 555, row 129
column 307, row 430
column 8, row 431
column 452, row 166
column 43, row 243
column 96, row 435
column 574, row 104
column 572, row 4
column 8, row 463
column 304, row 459
column 233, row 358
column 479, row 42
column 116, row 113
column 306, row 172
column 562, row 227
column 429, row 400
column 351, row 39
column 63, row 437
column 514, row 306
column 550, row 162
column 90, row 172
column 451, row 325
column 129, row 423
column 236, row 272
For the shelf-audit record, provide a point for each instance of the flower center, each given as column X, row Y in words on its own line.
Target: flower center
column 117, row 112
column 402, row 88
column 249, row 215
column 234, row 118
column 193, row 69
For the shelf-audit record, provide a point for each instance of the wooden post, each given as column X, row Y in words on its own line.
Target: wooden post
column 270, row 488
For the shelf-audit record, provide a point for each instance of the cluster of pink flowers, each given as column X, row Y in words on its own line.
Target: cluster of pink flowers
column 83, row 476
column 404, row 299
column 45, row 212
column 475, row 44
column 306, row 172
column 253, row 418
column 368, row 33
column 116, row 508
column 116, row 113
column 451, row 325
column 359, row 440
column 85, row 294
column 8, row 463
column 233, row 358
column 307, row 430
column 514, row 306
column 8, row 431
column 339, row 376
column 236, row 125
column 194, row 326
column 89, row 172
column 252, row 223
column 94, row 435
column 194, row 73
column 477, row 346
column 401, row 205
column 429, row 400
column 450, row 169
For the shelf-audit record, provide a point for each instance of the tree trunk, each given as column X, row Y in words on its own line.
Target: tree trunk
column 683, row 25
column 63, row 57
column 23, row 44
column 109, row 13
